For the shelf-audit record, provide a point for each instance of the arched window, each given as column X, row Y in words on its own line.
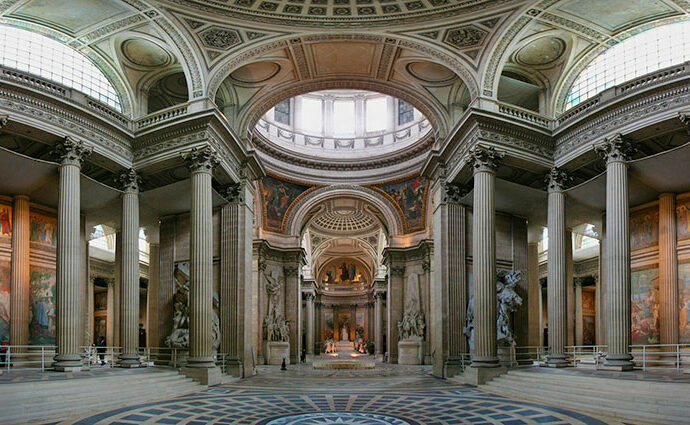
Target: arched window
column 646, row 52
column 42, row 56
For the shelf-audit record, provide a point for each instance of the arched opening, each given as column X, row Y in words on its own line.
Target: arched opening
column 168, row 91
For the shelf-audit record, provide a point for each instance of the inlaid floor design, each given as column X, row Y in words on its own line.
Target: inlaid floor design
column 396, row 396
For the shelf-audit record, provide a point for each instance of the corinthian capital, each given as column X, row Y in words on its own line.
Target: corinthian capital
column 615, row 149
column 201, row 160
column 129, row 181
column 233, row 193
column 484, row 158
column 453, row 192
column 557, row 179
column 70, row 151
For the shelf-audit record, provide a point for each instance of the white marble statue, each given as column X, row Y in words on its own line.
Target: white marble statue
column 344, row 334
column 276, row 328
column 412, row 324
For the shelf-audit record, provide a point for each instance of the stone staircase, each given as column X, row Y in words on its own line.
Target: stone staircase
column 642, row 401
column 53, row 400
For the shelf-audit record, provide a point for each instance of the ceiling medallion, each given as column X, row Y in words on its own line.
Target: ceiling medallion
column 542, row 51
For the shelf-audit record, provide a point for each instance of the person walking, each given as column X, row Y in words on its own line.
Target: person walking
column 101, row 349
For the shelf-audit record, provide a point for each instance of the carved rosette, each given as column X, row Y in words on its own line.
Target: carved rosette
column 615, row 149
column 3, row 120
column 70, row 151
column 234, row 193
column 201, row 160
column 684, row 118
column 129, row 181
column 557, row 180
column 484, row 159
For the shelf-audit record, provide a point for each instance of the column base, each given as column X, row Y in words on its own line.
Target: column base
column 233, row 367
column 201, row 362
column 68, row 363
column 485, row 362
column 556, row 361
column 481, row 375
column 129, row 361
column 204, row 375
column 618, row 363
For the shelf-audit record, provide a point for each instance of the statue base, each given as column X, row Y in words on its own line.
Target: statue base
column 481, row 375
column 410, row 351
column 204, row 375
column 276, row 351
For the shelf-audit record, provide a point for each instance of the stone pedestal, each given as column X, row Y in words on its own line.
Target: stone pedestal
column 481, row 375
column 204, row 375
column 276, row 351
column 410, row 351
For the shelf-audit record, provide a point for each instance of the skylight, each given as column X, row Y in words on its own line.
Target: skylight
column 42, row 56
column 638, row 55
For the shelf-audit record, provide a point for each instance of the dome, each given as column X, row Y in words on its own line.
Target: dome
column 341, row 124
column 344, row 221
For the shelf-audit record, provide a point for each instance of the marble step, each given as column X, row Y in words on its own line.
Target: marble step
column 617, row 402
column 595, row 382
column 603, row 391
column 78, row 397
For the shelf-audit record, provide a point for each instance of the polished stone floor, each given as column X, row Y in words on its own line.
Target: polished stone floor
column 386, row 395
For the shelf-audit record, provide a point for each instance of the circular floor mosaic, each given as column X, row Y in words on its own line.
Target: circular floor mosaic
column 338, row 418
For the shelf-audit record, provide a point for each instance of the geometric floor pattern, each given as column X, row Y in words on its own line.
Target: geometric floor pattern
column 301, row 397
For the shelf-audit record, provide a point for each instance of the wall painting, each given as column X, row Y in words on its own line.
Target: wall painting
column 5, row 221
column 683, row 219
column 43, row 229
column 644, row 228
column 5, row 279
column 645, row 306
column 410, row 197
column 100, row 301
column 684, row 302
column 42, row 311
column 342, row 273
column 278, row 195
column 588, row 318
column 328, row 324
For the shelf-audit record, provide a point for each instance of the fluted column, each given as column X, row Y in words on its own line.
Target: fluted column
column 617, row 152
column 378, row 330
column 557, row 282
column 71, row 153
column 129, row 270
column 668, row 270
column 19, row 286
column 485, row 162
column 152, row 295
column 201, row 163
column 309, row 298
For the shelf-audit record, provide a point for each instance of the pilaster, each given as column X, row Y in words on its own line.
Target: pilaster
column 19, row 284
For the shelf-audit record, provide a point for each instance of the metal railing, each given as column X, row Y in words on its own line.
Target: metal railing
column 100, row 356
column 529, row 354
column 27, row 357
column 585, row 354
column 661, row 356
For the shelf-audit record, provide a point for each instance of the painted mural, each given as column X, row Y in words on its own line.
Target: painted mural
column 645, row 306
column 43, row 229
column 328, row 322
column 5, row 221
column 100, row 301
column 588, row 318
column 342, row 273
column 644, row 228
column 410, row 196
column 42, row 301
column 5, row 278
column 683, row 218
column 684, row 302
column 278, row 196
